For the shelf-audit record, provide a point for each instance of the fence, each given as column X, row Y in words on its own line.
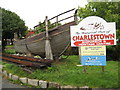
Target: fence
column 56, row 23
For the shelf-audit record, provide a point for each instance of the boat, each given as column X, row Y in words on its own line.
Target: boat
column 59, row 40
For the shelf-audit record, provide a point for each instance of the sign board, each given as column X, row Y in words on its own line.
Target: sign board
column 93, row 31
column 93, row 50
column 93, row 55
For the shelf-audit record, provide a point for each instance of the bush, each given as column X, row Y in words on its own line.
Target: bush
column 113, row 53
column 10, row 51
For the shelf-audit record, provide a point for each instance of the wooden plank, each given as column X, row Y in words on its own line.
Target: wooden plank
column 62, row 13
column 46, row 61
column 26, row 63
column 17, row 61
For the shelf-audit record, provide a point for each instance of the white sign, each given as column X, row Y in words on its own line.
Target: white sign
column 93, row 50
column 93, row 31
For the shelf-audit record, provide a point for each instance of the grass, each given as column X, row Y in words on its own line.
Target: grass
column 10, row 51
column 9, row 46
column 14, row 69
column 67, row 73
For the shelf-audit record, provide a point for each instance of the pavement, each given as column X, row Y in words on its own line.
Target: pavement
column 4, row 83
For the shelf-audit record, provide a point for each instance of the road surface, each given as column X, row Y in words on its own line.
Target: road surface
column 4, row 83
column 8, row 84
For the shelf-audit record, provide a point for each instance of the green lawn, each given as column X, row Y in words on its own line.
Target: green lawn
column 10, row 51
column 9, row 46
column 67, row 73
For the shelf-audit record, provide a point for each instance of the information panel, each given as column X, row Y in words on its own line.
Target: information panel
column 93, row 55
column 94, row 60
column 93, row 50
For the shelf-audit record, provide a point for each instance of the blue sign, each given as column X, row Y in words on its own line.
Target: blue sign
column 94, row 60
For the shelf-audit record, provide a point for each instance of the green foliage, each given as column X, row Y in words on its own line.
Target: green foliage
column 118, row 35
column 12, row 68
column 15, row 81
column 113, row 53
column 11, row 23
column 106, row 10
column 9, row 46
column 67, row 73
column 10, row 51
column 41, row 27
column 2, row 63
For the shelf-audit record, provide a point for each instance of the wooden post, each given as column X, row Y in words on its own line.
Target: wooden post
column 56, row 21
column 46, row 23
column 48, row 50
column 75, row 17
column 76, row 20
column 79, row 51
column 85, row 69
column 103, row 69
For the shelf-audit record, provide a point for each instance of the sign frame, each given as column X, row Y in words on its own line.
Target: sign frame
column 93, row 31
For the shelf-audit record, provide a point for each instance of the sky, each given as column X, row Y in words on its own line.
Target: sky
column 34, row 11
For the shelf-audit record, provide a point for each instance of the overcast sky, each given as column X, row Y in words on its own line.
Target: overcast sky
column 33, row 11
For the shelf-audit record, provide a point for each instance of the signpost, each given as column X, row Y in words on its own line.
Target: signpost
column 93, row 31
column 92, row 34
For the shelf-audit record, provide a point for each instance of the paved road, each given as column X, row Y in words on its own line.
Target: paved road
column 4, row 83
column 7, row 84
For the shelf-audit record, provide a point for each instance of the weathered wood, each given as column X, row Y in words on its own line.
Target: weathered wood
column 56, row 17
column 46, row 23
column 18, row 61
column 103, row 69
column 46, row 61
column 60, row 37
column 48, row 50
column 27, row 61
column 56, row 21
column 85, row 69
column 79, row 51
column 65, row 18
column 62, row 13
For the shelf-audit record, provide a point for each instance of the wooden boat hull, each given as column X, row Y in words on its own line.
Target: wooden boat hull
column 59, row 39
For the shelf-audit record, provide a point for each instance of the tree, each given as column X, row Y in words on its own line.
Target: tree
column 109, row 11
column 11, row 23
